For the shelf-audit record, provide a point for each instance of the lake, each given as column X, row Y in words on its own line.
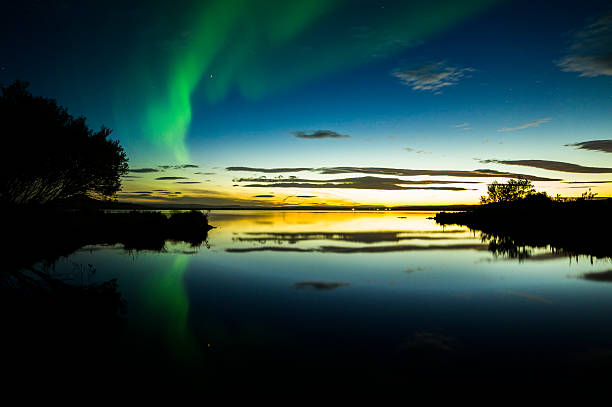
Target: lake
column 375, row 294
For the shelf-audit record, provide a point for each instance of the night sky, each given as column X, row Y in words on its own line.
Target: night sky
column 329, row 102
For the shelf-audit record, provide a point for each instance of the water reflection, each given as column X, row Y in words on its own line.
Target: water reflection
column 507, row 247
column 377, row 295
column 351, row 232
column 166, row 299
column 603, row 276
column 363, row 249
column 359, row 237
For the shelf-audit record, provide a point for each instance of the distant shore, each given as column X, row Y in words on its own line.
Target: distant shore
column 307, row 208
column 399, row 208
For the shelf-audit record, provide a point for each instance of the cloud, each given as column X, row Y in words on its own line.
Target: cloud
column 143, row 170
column 552, row 166
column 386, row 187
column 149, row 197
column 130, row 176
column 413, row 270
column 357, row 183
column 357, row 179
column 306, row 196
column 163, row 168
column 484, row 173
column 432, row 77
column 168, row 192
column 462, row 125
column 590, row 50
column 378, row 183
column 319, row 134
column 534, row 123
column 178, row 167
column 594, row 145
column 202, row 198
column 412, row 150
column 169, row 178
column 263, row 196
column 318, row 285
column 480, row 173
column 267, row 170
column 152, row 192
column 188, row 182
column 142, row 197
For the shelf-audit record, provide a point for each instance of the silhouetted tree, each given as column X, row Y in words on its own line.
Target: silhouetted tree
column 49, row 154
column 513, row 190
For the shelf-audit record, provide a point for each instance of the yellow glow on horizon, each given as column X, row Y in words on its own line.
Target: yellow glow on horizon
column 219, row 190
column 246, row 222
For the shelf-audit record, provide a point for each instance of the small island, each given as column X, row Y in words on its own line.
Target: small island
column 514, row 216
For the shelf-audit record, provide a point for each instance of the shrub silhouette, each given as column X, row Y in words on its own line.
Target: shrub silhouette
column 588, row 195
column 49, row 154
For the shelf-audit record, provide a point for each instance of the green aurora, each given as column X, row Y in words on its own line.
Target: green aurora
column 217, row 48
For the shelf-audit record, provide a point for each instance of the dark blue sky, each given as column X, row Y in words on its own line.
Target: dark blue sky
column 262, row 85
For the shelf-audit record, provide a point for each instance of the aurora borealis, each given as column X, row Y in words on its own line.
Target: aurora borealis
column 315, row 102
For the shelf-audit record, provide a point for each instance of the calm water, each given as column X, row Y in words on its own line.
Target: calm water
column 381, row 293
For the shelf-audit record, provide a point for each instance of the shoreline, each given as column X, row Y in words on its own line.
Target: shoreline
column 564, row 226
column 46, row 234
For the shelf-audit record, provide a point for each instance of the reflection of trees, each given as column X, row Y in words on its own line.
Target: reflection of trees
column 505, row 246
column 45, row 234
column 50, row 322
column 579, row 227
column 50, row 319
column 356, row 237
